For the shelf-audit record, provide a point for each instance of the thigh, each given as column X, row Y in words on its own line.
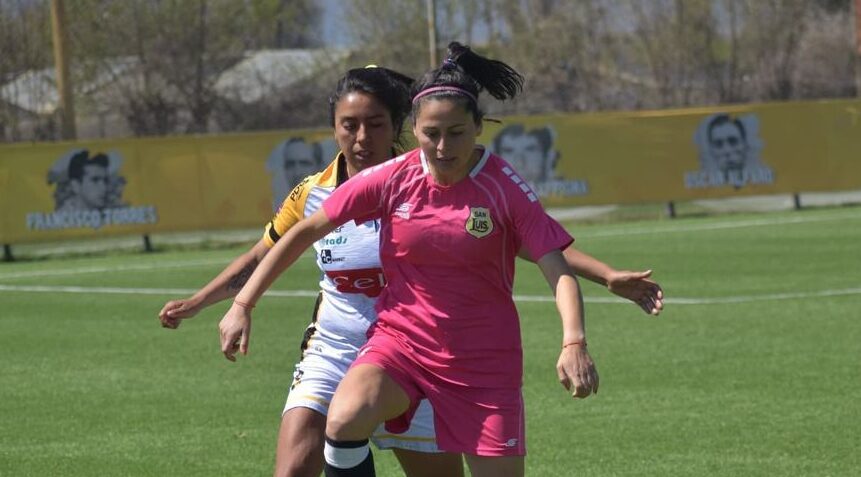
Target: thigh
column 300, row 443
column 366, row 397
column 505, row 466
column 426, row 464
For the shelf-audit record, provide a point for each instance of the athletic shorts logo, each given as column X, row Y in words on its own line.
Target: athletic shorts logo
column 511, row 443
column 479, row 223
column 297, row 376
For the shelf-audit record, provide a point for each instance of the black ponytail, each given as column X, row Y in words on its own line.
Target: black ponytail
column 468, row 71
column 389, row 87
column 497, row 78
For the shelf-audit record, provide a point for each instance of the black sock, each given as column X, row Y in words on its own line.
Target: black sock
column 348, row 459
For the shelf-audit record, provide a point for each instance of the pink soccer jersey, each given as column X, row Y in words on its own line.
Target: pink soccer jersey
column 448, row 256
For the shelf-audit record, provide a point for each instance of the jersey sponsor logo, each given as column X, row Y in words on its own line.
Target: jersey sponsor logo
column 334, row 241
column 327, row 258
column 297, row 191
column 367, row 281
column 479, row 224
column 403, row 210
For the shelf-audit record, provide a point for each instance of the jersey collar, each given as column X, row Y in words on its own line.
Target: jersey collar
column 476, row 169
column 340, row 169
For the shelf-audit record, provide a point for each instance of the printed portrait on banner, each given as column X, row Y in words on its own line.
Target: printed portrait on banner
column 533, row 155
column 294, row 159
column 88, row 193
column 729, row 153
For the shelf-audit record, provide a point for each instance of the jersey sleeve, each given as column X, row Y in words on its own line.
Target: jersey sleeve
column 360, row 198
column 538, row 232
column 292, row 210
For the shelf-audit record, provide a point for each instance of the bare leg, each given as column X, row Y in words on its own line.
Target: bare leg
column 365, row 397
column 508, row 466
column 300, row 443
column 426, row 464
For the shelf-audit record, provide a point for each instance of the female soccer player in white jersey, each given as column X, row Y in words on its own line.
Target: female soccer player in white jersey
column 368, row 109
column 453, row 217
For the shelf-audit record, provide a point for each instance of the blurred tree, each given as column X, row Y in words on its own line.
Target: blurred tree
column 567, row 51
column 772, row 33
column 179, row 48
column 288, row 23
column 154, row 64
column 25, row 43
column 834, row 6
column 675, row 38
column 396, row 39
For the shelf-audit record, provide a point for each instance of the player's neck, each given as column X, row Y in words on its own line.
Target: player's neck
column 452, row 177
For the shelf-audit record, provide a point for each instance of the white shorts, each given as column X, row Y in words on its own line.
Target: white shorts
column 317, row 376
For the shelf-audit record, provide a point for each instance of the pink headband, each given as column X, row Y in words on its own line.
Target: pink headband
column 453, row 89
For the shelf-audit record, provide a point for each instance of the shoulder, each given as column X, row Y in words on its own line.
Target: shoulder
column 497, row 170
column 295, row 200
column 406, row 161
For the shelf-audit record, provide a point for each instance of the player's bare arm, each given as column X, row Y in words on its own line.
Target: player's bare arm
column 235, row 327
column 575, row 367
column 225, row 285
column 636, row 286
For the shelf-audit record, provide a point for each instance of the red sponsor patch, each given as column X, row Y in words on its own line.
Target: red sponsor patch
column 368, row 281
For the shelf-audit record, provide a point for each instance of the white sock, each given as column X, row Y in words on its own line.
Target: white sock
column 346, row 454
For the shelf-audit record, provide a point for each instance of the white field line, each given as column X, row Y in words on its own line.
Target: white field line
column 607, row 233
column 720, row 226
column 121, row 268
column 179, row 292
column 713, row 300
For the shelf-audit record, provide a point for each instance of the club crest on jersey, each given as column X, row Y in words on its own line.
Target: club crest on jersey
column 479, row 223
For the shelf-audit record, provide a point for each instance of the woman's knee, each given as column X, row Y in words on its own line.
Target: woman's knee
column 349, row 421
column 365, row 398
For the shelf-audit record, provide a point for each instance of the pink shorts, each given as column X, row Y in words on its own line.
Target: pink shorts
column 477, row 421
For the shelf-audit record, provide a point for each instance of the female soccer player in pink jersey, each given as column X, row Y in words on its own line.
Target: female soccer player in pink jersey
column 368, row 109
column 453, row 219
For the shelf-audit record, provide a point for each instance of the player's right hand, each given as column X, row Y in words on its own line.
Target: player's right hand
column 576, row 370
column 235, row 331
column 174, row 311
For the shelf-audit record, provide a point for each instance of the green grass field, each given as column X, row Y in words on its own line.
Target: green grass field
column 753, row 369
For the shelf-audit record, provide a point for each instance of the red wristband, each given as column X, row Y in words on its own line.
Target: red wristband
column 579, row 342
column 243, row 304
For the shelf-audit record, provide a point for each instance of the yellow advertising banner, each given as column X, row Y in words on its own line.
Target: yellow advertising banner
column 140, row 186
column 653, row 156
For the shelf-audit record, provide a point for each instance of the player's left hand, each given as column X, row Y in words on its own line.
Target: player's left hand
column 235, row 330
column 576, row 370
column 639, row 288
